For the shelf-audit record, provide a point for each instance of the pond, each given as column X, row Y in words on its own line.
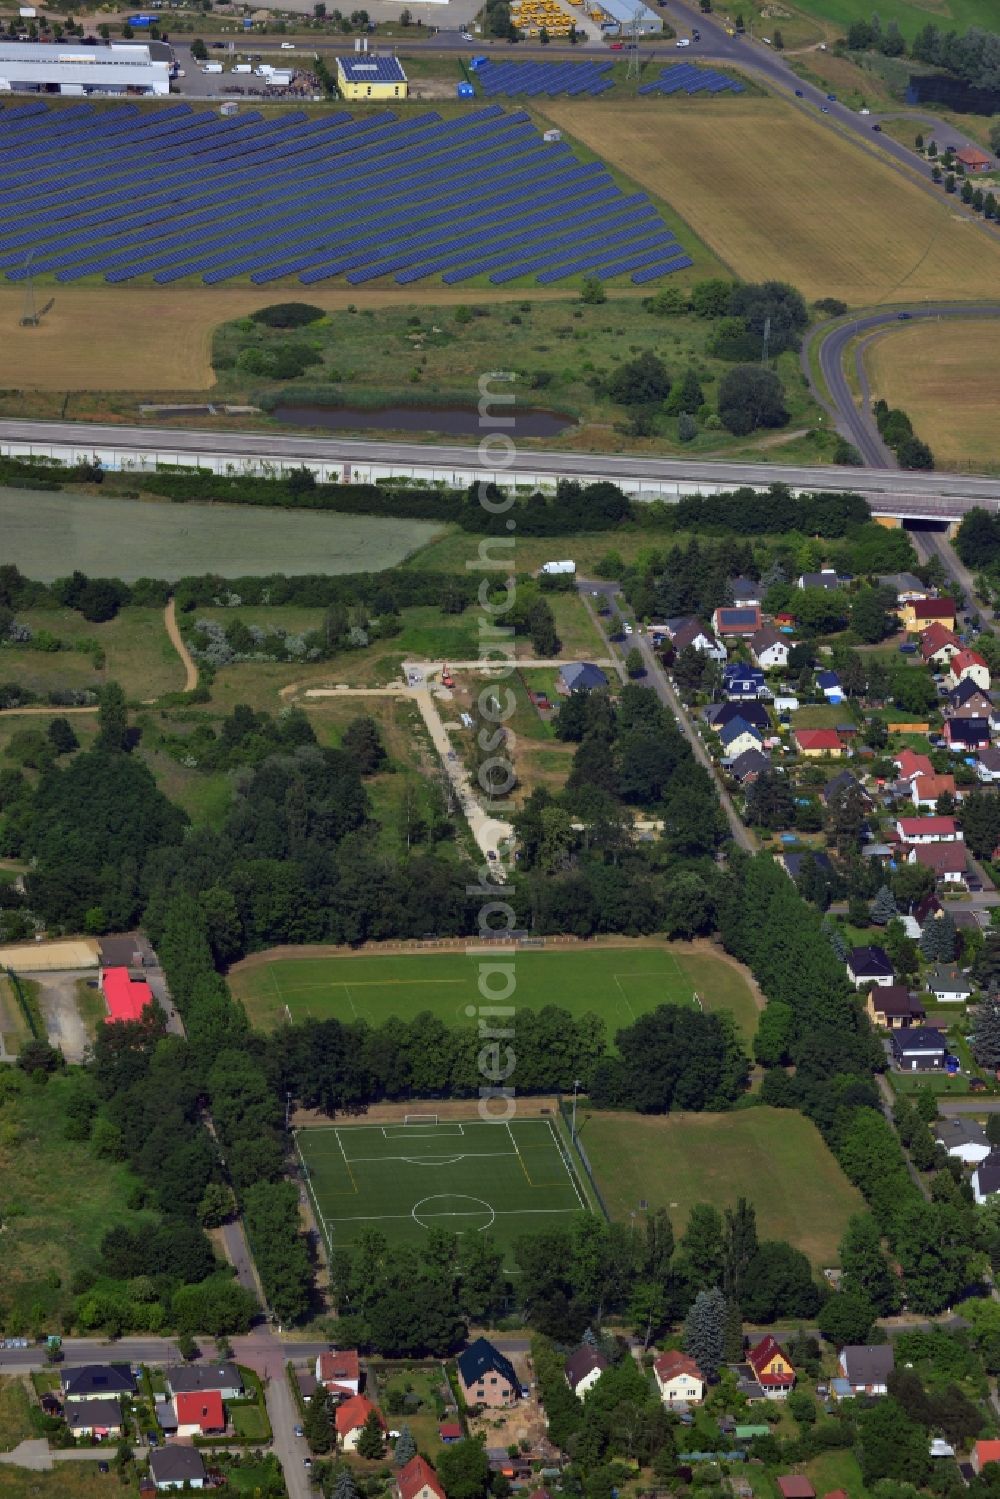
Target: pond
column 451, row 421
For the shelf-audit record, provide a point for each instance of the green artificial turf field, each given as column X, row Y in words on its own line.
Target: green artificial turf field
column 617, row 983
column 405, row 1178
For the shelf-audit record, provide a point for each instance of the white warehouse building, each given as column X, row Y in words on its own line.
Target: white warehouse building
column 58, row 68
column 622, row 15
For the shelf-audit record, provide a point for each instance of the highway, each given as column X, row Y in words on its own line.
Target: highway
column 920, row 494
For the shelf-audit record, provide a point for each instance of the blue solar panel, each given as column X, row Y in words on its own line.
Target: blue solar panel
column 685, row 77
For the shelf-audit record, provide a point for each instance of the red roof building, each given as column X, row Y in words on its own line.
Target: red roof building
column 772, row 1367
column 126, row 997
column 819, row 741
column 938, row 637
column 351, row 1416
column 202, row 1411
column 973, row 160
column 910, row 764
column 794, row 1486
column 418, row 1480
column 947, row 860
column 339, row 1372
column 983, row 1453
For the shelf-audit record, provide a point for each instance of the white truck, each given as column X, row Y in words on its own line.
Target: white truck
column 242, row 67
column 212, row 67
column 568, row 566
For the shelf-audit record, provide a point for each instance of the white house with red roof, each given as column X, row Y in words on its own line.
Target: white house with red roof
column 350, row 1417
column 339, row 1372
column 938, row 644
column 200, row 1415
column 968, row 666
column 418, row 1480
column 679, row 1379
column 918, row 830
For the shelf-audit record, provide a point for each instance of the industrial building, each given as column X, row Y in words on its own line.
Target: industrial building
column 617, row 17
column 369, row 76
column 58, row 68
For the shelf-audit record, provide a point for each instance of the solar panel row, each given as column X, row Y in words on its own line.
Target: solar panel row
column 507, row 79
column 180, row 193
column 685, row 77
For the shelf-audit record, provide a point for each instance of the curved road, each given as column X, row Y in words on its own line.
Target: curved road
column 857, row 426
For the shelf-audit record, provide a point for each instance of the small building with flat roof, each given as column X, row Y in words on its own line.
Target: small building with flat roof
column 369, row 75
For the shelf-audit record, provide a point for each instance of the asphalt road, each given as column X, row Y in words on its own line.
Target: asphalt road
column 923, row 492
column 856, row 425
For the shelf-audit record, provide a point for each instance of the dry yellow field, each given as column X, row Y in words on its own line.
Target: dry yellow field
column 159, row 339
column 775, row 195
column 946, row 377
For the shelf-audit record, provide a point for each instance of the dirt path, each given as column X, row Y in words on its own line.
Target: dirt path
column 61, row 1013
column 50, row 711
column 187, row 660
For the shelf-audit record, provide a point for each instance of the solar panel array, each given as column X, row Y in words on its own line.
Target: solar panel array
column 179, row 193
column 504, row 80
column 684, row 77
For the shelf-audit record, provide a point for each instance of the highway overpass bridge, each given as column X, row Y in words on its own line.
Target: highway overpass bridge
column 893, row 495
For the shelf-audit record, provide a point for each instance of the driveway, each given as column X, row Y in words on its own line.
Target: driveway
column 61, row 1013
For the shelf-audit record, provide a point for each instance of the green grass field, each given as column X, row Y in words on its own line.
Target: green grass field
column 468, row 1177
column 618, row 983
column 774, row 1157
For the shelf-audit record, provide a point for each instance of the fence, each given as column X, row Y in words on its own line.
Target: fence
column 566, row 1110
column 26, row 1008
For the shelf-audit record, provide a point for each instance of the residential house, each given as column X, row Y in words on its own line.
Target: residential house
column 769, row 649
column 584, row 1368
column 194, row 1379
column 718, row 715
column 126, row 997
column 747, row 767
column 968, row 697
column 746, row 593
column 581, row 676
column 983, row 1452
column 173, row 1467
column 815, row 743
column 911, row 765
column 973, row 160
column 678, row 1379
column 736, row 624
column 869, row 965
column 842, row 782
column 947, row 860
column 339, row 1372
column 772, row 1368
column 988, row 764
column 927, row 909
column 968, row 666
column 94, row 1418
column 792, row 861
column 949, row 985
column 921, row 830
column 97, row 1382
column 200, row 1414
column 689, row 631
column 917, row 1049
column 827, row 578
column 893, row 1007
column 965, row 736
column 829, row 684
column 920, row 614
column 986, row 1179
column 418, row 1480
column 964, row 1139
column 867, row 1367
column 795, row 1486
column 486, row 1376
column 906, row 586
column 349, row 1420
column 925, row 790
column 738, row 737
column 450, row 1431
column 938, row 644
column 743, row 684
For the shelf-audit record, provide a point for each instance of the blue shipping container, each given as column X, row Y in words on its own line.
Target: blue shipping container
column 465, row 91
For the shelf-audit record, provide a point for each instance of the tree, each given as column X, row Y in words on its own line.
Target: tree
column 592, row 291
column 317, row 1424
column 112, row 719
column 464, row 1470
column 884, row 907
column 362, row 740
column 778, row 1283
column 869, row 617
column 344, row 1486
column 846, row 1317
column 685, row 394
column 865, row 1269
column 704, row 1331
column 778, row 41
column 217, row 1205
column 703, row 1247
column 642, row 381
column 740, row 1245
column 61, row 736
column 635, row 666
column 371, row 1442
column 405, row 1448
column 985, row 1037
column 687, row 428
column 892, row 1445
column 41, row 1058
column 198, row 50
column 751, row 397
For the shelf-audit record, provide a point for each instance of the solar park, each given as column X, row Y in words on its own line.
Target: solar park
column 178, row 194
column 685, row 78
column 575, row 80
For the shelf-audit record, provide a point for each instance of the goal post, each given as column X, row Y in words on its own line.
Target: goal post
column 420, row 1119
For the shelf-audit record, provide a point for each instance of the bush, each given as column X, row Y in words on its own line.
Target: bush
column 288, row 315
column 280, row 361
column 751, row 397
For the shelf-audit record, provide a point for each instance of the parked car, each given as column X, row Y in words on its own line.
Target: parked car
column 877, row 128
column 831, row 97
column 903, row 317
column 683, row 41
column 299, row 1431
column 288, row 46
column 976, row 1085
column 617, row 46
column 799, row 94
column 103, row 1467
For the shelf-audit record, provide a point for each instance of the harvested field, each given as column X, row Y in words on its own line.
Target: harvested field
column 946, row 377
column 778, row 196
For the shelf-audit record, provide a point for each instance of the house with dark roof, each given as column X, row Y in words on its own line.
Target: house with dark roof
column 828, row 683
column 96, row 1418
column 988, row 764
column 486, row 1376
column 745, row 592
column 964, row 735
column 97, row 1382
column 736, row 624
column 827, row 577
column 584, row 1368
column 738, row 737
column 581, row 676
column 917, row 1049
column 893, row 1007
column 418, row 1480
column 867, row 1367
column 743, row 683
column 869, row 965
column 718, row 715
column 769, row 648
column 963, row 1138
column 195, row 1379
column 842, row 782
column 792, row 861
column 746, row 768
column 947, row 860
column 173, row 1467
column 986, row 1177
column 967, row 695
column 920, row 614
column 906, row 586
column 948, row 984
column 369, row 75
column 678, row 1379
column 688, row 632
